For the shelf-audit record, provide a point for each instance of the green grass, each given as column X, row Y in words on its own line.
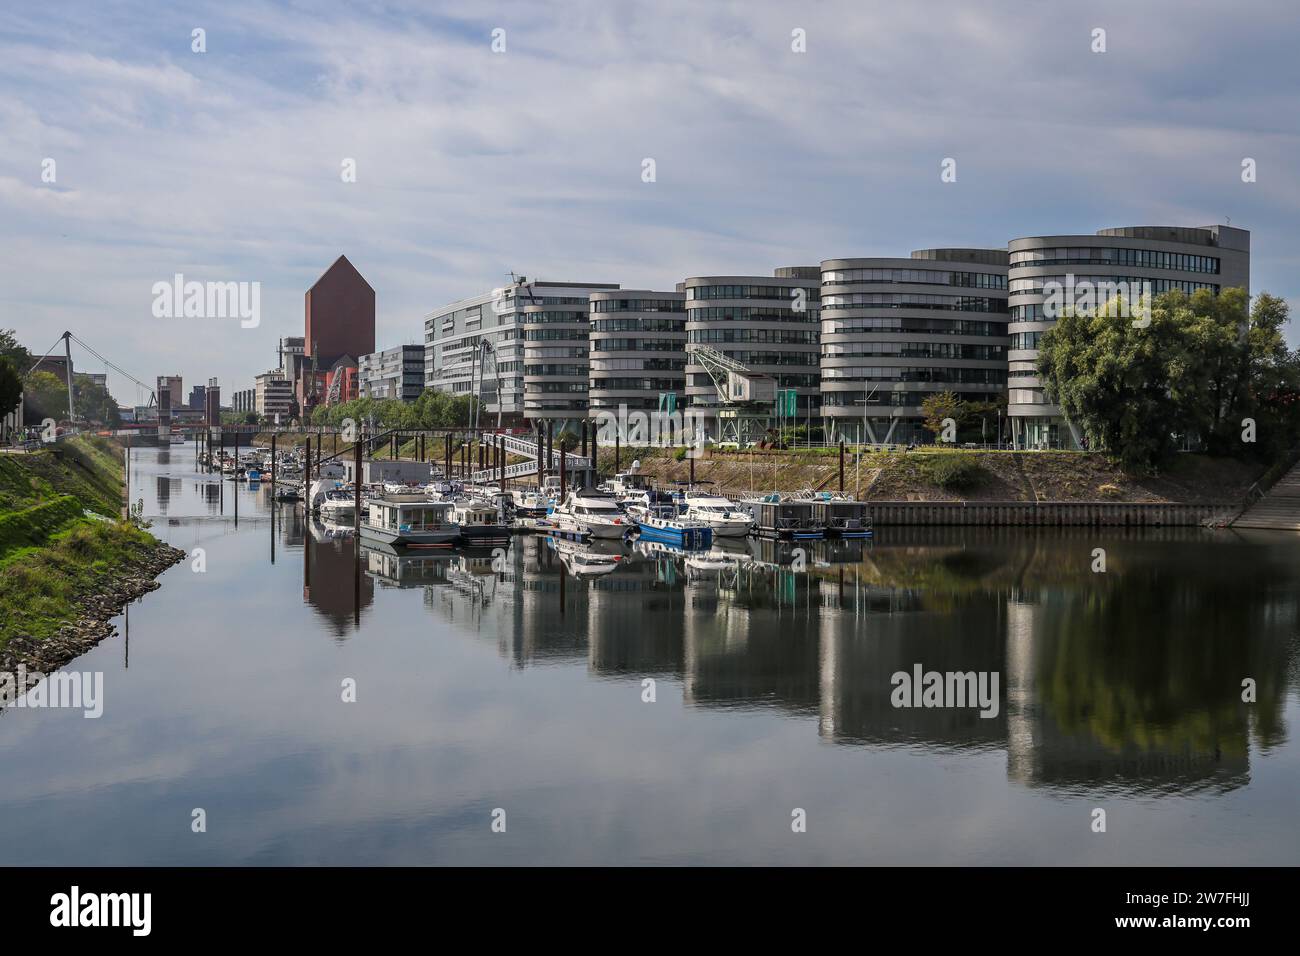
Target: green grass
column 34, row 526
column 87, row 467
column 41, row 587
column 51, row 555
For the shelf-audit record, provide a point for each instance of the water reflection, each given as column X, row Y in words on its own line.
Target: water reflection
column 1129, row 679
column 515, row 678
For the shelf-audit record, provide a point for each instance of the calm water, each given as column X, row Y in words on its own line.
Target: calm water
column 522, row 690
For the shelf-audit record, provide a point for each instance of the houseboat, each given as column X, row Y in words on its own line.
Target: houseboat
column 790, row 519
column 411, row 521
column 842, row 518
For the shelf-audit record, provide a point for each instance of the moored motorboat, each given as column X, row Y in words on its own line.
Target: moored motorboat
column 724, row 516
column 480, row 522
column 663, row 523
column 338, row 506
column 595, row 512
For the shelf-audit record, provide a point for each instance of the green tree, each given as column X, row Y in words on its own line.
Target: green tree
column 1201, row 367
column 11, row 386
column 1114, row 380
column 935, row 408
column 11, row 349
column 93, row 402
column 47, row 397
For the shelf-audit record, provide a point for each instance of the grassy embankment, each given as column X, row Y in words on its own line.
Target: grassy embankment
column 949, row 475
column 52, row 553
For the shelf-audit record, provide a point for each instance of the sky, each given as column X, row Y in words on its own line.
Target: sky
column 228, row 165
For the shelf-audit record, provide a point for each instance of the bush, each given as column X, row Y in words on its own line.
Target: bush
column 955, row 472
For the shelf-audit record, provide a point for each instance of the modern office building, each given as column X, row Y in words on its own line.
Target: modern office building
column 895, row 331
column 273, row 395
column 1167, row 257
column 197, row 400
column 476, row 346
column 393, row 373
column 767, row 323
column 243, row 401
column 638, row 351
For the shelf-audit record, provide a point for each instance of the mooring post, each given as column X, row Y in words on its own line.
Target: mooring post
column 617, row 452
column 550, row 445
column 306, row 475
column 273, row 467
column 841, row 466
column 356, row 483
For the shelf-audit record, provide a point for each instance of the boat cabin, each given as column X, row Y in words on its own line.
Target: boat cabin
column 409, row 513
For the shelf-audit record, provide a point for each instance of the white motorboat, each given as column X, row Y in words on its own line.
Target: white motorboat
column 339, row 506
column 411, row 521
column 724, row 516
column 588, row 511
column 629, row 485
column 319, row 488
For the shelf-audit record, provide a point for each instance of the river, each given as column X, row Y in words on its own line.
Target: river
column 517, row 692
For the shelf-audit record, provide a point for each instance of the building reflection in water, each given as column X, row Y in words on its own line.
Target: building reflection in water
column 1127, row 680
column 335, row 582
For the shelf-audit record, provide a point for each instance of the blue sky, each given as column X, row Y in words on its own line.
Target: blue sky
column 225, row 165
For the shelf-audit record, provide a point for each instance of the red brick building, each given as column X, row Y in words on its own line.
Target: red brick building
column 339, row 321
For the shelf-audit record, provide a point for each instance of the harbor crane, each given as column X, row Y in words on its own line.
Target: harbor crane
column 745, row 397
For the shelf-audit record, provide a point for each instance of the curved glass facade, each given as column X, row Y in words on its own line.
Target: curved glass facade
column 638, row 350
column 890, row 339
column 1148, row 258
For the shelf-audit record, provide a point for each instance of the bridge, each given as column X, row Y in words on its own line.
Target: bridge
column 533, row 453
